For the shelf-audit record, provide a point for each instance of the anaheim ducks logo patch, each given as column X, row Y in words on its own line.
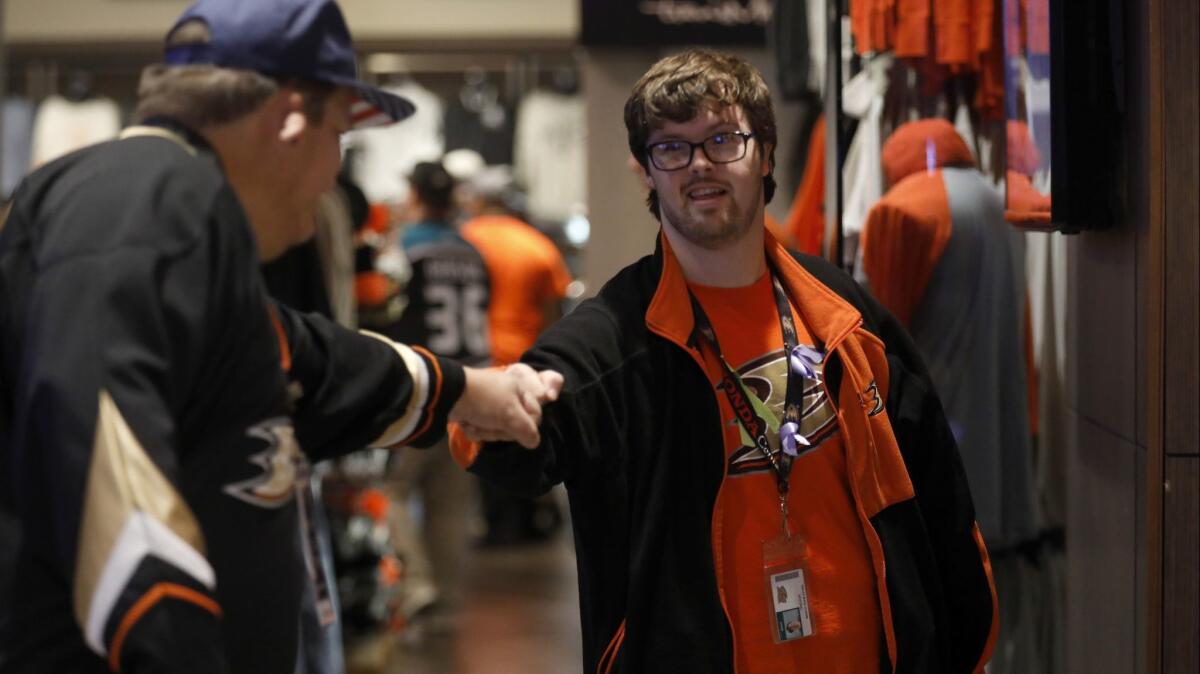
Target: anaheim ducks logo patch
column 870, row 400
column 283, row 466
column 766, row 379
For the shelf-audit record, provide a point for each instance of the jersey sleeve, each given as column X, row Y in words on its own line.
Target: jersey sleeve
column 360, row 389
column 101, row 380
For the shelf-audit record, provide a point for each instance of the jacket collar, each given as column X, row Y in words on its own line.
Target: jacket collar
column 827, row 316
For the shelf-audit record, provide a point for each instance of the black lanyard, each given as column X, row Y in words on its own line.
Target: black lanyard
column 735, row 391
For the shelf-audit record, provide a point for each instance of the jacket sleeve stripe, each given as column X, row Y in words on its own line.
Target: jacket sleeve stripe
column 610, row 653
column 988, row 647
column 285, row 351
column 403, row 426
column 432, row 400
column 130, row 511
column 141, row 536
column 146, row 602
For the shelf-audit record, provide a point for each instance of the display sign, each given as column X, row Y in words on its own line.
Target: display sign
column 652, row 23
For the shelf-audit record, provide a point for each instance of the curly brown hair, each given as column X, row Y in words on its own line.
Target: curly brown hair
column 674, row 90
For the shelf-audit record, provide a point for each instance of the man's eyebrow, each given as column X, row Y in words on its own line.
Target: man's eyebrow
column 714, row 128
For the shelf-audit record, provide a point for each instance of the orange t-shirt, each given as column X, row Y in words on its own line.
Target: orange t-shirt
column 527, row 273
column 840, row 576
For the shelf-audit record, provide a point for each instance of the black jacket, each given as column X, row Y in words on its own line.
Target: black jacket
column 636, row 438
column 147, row 442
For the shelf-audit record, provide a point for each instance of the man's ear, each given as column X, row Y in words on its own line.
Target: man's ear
column 767, row 160
column 293, row 120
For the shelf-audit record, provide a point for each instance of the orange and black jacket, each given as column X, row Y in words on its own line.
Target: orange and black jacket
column 636, row 437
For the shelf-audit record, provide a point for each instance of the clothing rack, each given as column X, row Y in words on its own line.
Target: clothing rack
column 520, row 72
column 39, row 71
column 35, row 70
column 387, row 62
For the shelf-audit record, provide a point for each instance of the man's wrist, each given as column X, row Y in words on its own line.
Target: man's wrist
column 453, row 387
column 447, row 385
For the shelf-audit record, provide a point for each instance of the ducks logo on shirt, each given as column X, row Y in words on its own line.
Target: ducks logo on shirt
column 765, row 378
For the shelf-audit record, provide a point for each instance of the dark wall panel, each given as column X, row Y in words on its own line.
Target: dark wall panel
column 1102, row 329
column 1181, row 566
column 1101, row 551
column 1181, row 198
column 1138, row 200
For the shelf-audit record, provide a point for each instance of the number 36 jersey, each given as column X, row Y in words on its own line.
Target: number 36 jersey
column 448, row 295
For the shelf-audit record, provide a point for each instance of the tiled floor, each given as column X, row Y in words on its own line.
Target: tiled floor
column 522, row 617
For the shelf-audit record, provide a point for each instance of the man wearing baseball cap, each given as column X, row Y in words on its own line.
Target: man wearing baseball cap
column 158, row 412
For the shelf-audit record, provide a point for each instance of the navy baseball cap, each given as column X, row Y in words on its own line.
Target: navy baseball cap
column 306, row 39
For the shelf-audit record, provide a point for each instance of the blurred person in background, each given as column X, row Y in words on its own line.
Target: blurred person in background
column 445, row 311
column 529, row 283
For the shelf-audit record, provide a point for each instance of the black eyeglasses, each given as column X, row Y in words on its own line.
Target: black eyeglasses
column 720, row 148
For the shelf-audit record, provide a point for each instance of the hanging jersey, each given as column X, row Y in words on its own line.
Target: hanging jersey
column 550, row 153
column 939, row 255
column 447, row 295
column 844, row 603
column 61, row 126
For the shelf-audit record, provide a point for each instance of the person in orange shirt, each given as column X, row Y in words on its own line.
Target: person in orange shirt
column 529, row 276
column 529, row 281
column 760, row 474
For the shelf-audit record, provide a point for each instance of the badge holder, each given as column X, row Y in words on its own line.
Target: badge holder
column 785, row 574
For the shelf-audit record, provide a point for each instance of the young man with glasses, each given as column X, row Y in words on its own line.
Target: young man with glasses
column 761, row 477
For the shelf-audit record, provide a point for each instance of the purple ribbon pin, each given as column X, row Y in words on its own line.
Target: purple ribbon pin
column 802, row 360
column 790, row 438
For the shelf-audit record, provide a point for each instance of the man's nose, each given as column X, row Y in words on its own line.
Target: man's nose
column 700, row 161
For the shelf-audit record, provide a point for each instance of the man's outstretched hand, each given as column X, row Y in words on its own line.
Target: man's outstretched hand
column 505, row 404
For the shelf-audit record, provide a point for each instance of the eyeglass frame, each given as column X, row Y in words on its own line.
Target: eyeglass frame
column 744, row 135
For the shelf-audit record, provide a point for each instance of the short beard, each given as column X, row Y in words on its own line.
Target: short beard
column 739, row 223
